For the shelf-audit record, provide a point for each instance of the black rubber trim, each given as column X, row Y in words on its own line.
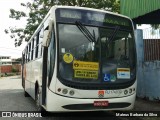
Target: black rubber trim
column 44, row 74
column 90, row 106
column 90, row 98
column 102, row 86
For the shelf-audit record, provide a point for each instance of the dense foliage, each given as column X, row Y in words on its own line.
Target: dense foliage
column 39, row 8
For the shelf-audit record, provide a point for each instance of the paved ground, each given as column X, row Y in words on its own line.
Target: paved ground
column 146, row 105
column 12, row 99
column 7, row 83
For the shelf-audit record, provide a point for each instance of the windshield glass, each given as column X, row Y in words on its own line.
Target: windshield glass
column 118, row 55
column 109, row 57
column 78, row 54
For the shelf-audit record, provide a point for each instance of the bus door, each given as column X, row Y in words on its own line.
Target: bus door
column 48, row 66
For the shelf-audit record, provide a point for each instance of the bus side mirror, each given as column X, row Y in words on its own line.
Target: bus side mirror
column 47, row 35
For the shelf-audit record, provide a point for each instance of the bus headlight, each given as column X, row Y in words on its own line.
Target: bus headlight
column 134, row 89
column 130, row 90
column 71, row 92
column 64, row 91
column 125, row 92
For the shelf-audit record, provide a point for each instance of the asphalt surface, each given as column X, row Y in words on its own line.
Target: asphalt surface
column 12, row 99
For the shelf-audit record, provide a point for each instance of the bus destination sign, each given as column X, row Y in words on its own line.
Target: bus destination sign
column 70, row 14
column 94, row 16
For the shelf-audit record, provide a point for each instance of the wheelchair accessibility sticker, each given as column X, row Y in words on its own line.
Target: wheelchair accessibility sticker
column 109, row 77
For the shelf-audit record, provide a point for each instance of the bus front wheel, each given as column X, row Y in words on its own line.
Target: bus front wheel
column 38, row 105
column 26, row 94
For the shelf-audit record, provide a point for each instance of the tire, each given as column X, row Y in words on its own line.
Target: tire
column 37, row 99
column 26, row 94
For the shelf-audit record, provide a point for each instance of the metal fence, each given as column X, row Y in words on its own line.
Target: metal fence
column 148, row 65
column 151, row 40
column 151, row 49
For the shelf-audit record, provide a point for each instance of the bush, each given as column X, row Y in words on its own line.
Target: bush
column 14, row 70
column 10, row 74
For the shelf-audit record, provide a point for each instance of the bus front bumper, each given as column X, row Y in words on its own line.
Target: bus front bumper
column 57, row 103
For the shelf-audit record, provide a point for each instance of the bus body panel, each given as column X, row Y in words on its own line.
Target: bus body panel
column 91, row 93
column 27, row 86
column 34, row 74
column 56, row 102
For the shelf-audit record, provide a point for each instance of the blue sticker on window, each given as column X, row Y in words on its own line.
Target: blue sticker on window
column 107, row 77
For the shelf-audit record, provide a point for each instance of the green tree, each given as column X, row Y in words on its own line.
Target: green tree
column 39, row 8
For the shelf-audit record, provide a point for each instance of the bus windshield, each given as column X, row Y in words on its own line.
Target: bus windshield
column 108, row 58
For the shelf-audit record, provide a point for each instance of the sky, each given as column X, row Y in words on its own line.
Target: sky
column 7, row 46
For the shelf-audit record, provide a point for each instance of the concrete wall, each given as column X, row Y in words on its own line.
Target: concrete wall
column 148, row 72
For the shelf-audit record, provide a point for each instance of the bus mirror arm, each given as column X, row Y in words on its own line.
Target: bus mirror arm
column 47, row 34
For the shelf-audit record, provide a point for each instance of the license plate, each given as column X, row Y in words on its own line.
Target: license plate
column 100, row 103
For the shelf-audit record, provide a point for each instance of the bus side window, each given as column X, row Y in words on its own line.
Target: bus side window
column 40, row 42
column 51, row 58
column 41, row 35
column 23, row 58
column 29, row 52
column 32, row 49
column 29, row 47
column 28, row 56
column 39, row 50
column 37, row 44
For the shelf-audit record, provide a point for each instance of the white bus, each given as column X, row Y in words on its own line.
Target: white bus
column 81, row 59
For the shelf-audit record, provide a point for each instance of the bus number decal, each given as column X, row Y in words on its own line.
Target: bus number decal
column 86, row 74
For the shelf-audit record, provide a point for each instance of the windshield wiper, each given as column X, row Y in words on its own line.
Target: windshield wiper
column 113, row 35
column 86, row 32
